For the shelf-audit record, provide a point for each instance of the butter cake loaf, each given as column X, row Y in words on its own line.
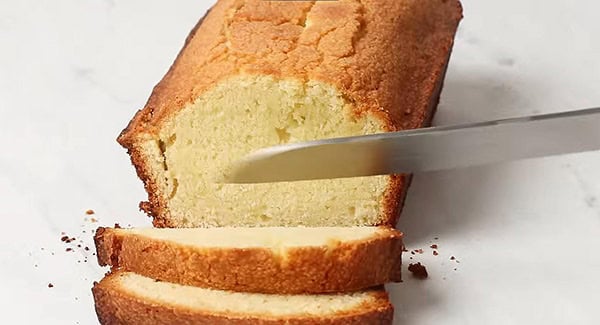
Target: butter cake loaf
column 258, row 73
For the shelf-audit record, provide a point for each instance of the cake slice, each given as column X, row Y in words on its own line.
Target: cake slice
column 257, row 73
column 264, row 260
column 129, row 298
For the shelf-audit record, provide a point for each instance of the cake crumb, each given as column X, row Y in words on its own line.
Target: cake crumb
column 452, row 258
column 420, row 251
column 435, row 253
column 434, row 246
column 90, row 211
column 93, row 220
column 69, row 249
column 418, row 271
column 117, row 226
column 50, row 285
column 67, row 239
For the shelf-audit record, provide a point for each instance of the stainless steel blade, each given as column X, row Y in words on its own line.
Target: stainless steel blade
column 423, row 149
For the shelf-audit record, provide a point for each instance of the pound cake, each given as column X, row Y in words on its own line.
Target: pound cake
column 258, row 73
column 129, row 298
column 264, row 260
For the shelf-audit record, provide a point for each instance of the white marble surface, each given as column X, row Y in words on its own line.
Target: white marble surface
column 527, row 234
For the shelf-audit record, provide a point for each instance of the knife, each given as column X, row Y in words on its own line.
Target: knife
column 427, row 149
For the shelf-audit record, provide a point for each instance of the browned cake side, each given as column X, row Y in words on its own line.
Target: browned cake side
column 337, row 267
column 387, row 58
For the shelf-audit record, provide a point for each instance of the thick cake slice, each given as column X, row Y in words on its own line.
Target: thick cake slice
column 129, row 298
column 266, row 260
column 258, row 73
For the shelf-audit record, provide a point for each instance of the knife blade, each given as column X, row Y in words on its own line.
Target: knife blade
column 427, row 149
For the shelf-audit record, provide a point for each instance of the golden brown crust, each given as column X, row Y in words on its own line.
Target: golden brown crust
column 387, row 58
column 154, row 207
column 116, row 306
column 341, row 267
column 398, row 187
